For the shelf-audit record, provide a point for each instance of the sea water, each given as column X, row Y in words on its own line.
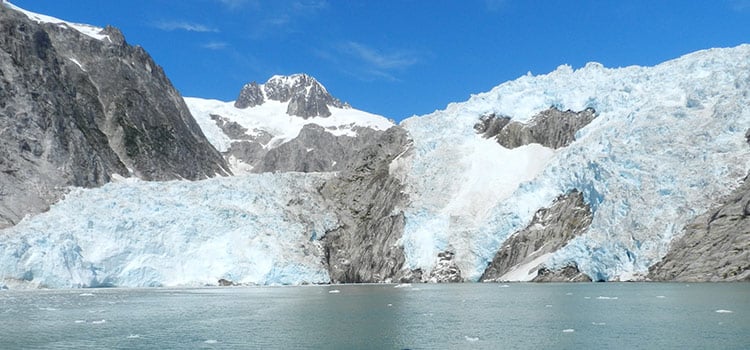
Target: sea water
column 416, row 316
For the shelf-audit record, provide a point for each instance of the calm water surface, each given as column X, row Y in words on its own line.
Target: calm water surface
column 462, row 316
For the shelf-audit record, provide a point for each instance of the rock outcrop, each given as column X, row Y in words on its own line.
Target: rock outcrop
column 370, row 203
column 307, row 98
column 313, row 150
column 251, row 95
column 446, row 270
column 551, row 128
column 714, row 247
column 74, row 110
column 569, row 273
column 549, row 230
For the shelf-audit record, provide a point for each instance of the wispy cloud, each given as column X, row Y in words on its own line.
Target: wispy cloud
column 368, row 63
column 215, row 45
column 309, row 5
column 379, row 59
column 186, row 26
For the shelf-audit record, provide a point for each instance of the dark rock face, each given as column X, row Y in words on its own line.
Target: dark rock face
column 490, row 125
column 568, row 273
column 446, row 270
column 313, row 150
column 551, row 128
column 250, row 96
column 714, row 247
column 370, row 204
column 313, row 103
column 549, row 230
column 75, row 110
column 306, row 96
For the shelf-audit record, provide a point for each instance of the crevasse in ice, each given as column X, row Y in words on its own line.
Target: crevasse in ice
column 260, row 229
column 667, row 143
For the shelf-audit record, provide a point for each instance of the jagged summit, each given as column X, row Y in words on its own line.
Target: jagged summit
column 305, row 96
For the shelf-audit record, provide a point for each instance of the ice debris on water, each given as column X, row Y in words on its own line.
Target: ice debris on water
column 722, row 311
column 569, row 330
column 471, row 339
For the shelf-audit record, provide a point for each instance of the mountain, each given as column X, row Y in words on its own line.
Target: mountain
column 79, row 105
column 290, row 123
column 589, row 174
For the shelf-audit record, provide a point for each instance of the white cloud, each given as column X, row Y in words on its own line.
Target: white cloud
column 368, row 63
column 309, row 5
column 186, row 26
column 379, row 59
column 215, row 45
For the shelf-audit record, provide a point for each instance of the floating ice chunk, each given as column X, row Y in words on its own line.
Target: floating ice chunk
column 334, row 291
column 211, row 341
column 548, row 305
column 99, row 322
column 471, row 339
column 722, row 311
column 86, row 295
column 504, row 286
column 80, row 321
column 134, row 336
column 587, row 297
column 660, row 296
column 606, row 298
column 598, row 323
column 569, row 330
column 402, row 285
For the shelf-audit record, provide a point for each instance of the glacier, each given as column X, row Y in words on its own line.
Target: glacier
column 259, row 229
column 668, row 142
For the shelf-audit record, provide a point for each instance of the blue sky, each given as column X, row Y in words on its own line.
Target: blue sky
column 399, row 58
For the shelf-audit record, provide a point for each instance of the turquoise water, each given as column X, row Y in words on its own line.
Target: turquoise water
column 462, row 316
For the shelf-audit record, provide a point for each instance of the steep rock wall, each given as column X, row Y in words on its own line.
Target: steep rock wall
column 549, row 230
column 74, row 110
column 370, row 202
column 714, row 247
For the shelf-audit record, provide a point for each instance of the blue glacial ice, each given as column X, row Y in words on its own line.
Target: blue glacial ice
column 668, row 142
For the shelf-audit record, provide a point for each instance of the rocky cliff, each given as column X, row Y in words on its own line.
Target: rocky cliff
column 306, row 97
column 370, row 203
column 714, row 247
column 551, row 128
column 77, row 107
column 549, row 230
column 289, row 123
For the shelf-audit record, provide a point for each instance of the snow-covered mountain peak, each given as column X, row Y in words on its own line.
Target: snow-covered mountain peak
column 304, row 95
column 88, row 30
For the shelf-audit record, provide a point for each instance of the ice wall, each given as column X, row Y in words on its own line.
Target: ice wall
column 258, row 229
column 668, row 142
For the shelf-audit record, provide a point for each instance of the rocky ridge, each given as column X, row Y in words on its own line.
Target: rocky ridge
column 549, row 230
column 551, row 128
column 74, row 110
column 714, row 247
column 370, row 202
column 306, row 96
